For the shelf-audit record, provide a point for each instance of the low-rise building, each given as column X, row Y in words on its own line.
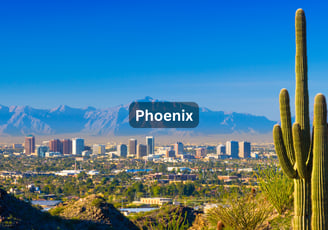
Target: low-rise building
column 156, row 200
column 68, row 172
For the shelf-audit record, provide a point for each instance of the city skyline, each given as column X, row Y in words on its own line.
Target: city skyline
column 184, row 51
column 76, row 147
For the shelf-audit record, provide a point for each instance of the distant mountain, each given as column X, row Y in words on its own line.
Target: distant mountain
column 23, row 120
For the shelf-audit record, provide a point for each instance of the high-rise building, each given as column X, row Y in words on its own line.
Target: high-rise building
column 98, row 149
column 45, row 143
column 122, row 150
column 232, row 149
column 55, row 146
column 221, row 150
column 150, row 142
column 132, row 147
column 178, row 148
column 244, row 149
column 67, row 146
column 29, row 145
column 17, row 146
column 77, row 146
column 200, row 152
column 141, row 151
column 170, row 153
column 41, row 150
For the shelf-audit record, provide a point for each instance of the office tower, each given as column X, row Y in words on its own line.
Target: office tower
column 98, row 149
column 77, row 146
column 244, row 149
column 221, row 150
column 41, row 150
column 150, row 145
column 132, row 147
column 178, row 148
column 45, row 143
column 17, row 146
column 122, row 150
column 170, row 153
column 141, row 151
column 29, row 145
column 67, row 146
column 200, row 152
column 232, row 149
column 55, row 146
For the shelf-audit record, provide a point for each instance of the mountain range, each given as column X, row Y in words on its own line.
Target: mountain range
column 114, row 121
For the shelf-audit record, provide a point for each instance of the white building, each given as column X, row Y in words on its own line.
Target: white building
column 68, row 172
column 53, row 154
column 221, row 150
column 77, row 146
column 86, row 153
column 232, row 149
column 93, row 172
column 98, row 149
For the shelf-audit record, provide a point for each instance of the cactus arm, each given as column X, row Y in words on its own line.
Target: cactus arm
column 286, row 124
column 300, row 161
column 309, row 161
column 282, row 154
column 301, row 91
column 319, row 185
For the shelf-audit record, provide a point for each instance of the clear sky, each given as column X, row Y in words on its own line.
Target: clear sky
column 224, row 55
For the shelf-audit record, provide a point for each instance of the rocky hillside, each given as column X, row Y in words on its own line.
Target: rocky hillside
column 90, row 213
column 96, row 209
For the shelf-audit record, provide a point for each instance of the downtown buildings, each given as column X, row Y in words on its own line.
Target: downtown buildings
column 132, row 147
column 54, row 145
column 98, row 149
column 236, row 150
column 77, row 146
column 67, row 146
column 122, row 150
column 141, row 151
column 150, row 142
column 29, row 145
column 244, row 149
column 179, row 149
column 232, row 149
column 147, row 151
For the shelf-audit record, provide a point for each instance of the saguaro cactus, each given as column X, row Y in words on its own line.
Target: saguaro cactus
column 293, row 145
column 319, row 186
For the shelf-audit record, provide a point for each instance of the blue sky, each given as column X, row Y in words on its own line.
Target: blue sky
column 224, row 55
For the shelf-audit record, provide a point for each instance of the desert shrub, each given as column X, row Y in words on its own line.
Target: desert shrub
column 246, row 212
column 97, row 202
column 56, row 211
column 277, row 188
column 177, row 222
column 166, row 221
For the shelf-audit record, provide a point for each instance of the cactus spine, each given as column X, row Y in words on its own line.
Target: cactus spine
column 320, row 161
column 293, row 144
